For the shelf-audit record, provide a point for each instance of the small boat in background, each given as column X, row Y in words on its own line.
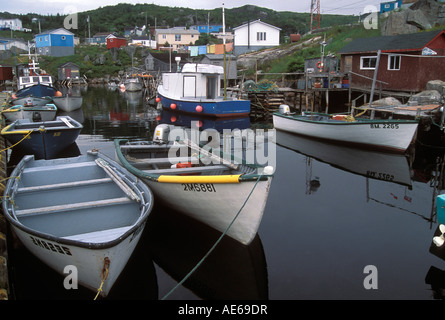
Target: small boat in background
column 392, row 135
column 196, row 89
column 68, row 103
column 46, row 112
column 85, row 211
column 44, row 139
column 133, row 84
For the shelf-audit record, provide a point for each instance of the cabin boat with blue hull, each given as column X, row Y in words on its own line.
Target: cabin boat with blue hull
column 196, row 89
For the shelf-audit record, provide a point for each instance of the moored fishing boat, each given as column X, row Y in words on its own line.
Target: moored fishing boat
column 44, row 139
column 387, row 134
column 86, row 212
column 68, row 103
column 37, row 95
column 45, row 112
column 226, row 196
column 196, row 89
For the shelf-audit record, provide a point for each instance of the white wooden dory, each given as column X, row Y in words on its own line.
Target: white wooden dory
column 86, row 211
column 391, row 134
column 212, row 193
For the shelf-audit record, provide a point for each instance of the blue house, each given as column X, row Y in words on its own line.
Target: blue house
column 205, row 28
column 56, row 43
column 390, row 5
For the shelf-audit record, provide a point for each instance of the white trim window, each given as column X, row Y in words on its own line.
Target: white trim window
column 261, row 36
column 368, row 63
column 394, row 62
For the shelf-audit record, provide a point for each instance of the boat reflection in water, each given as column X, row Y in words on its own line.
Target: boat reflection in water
column 410, row 174
column 231, row 271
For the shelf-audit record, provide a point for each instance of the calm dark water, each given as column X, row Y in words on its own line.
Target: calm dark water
column 331, row 213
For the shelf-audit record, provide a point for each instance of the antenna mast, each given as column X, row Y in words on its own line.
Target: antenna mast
column 315, row 10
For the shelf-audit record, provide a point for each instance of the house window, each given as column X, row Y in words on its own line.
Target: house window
column 368, row 63
column 164, row 36
column 177, row 37
column 63, row 37
column 261, row 36
column 394, row 62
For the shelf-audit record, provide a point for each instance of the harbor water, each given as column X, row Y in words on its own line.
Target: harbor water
column 340, row 223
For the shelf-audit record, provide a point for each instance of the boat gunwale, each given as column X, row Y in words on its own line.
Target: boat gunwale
column 140, row 222
column 155, row 177
column 299, row 117
column 12, row 127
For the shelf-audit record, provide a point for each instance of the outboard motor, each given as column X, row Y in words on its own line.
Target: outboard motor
column 161, row 133
column 284, row 109
column 36, row 116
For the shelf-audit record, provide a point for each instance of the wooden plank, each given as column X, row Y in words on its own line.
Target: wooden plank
column 72, row 206
column 63, row 185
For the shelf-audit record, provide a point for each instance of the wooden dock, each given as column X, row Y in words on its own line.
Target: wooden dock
column 4, row 278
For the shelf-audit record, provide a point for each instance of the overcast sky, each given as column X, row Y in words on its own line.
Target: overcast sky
column 70, row 6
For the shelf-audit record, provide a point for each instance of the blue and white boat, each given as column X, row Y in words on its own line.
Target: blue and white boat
column 196, row 90
column 43, row 139
column 37, row 95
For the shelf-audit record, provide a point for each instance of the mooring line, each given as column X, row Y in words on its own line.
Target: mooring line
column 215, row 244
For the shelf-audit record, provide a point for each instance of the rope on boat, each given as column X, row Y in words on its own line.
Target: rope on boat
column 26, row 136
column 125, row 188
column 216, row 243
column 104, row 275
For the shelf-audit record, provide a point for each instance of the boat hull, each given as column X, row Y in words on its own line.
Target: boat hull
column 216, row 204
column 44, row 139
column 68, row 103
column 210, row 108
column 43, row 113
column 71, row 212
column 89, row 262
column 227, row 202
column 389, row 135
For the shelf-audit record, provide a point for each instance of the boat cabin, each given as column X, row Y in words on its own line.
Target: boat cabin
column 195, row 81
column 28, row 81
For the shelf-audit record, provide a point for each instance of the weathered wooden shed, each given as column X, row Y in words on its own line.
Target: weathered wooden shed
column 407, row 61
column 67, row 71
column 5, row 73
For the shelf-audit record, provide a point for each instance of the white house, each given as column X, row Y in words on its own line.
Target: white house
column 11, row 24
column 255, row 35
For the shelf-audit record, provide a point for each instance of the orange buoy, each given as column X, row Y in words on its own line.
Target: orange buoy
column 158, row 99
column 173, row 106
column 173, row 119
column 198, row 108
column 58, row 94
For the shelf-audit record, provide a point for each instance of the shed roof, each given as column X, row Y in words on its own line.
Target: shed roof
column 402, row 42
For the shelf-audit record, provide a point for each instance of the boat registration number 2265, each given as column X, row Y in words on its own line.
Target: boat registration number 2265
column 199, row 187
column 384, row 126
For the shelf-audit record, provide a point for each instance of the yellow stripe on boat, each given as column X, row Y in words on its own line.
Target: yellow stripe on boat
column 199, row 179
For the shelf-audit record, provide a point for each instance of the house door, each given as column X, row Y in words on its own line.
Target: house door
column 68, row 73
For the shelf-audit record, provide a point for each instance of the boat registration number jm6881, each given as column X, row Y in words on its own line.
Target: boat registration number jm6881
column 199, row 187
column 384, row 126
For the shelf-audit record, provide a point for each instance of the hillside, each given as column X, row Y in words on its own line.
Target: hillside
column 118, row 17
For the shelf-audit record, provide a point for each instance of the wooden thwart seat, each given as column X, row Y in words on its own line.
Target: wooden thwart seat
column 63, row 185
column 72, row 206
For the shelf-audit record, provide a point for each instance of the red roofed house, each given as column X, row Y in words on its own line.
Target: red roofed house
column 407, row 61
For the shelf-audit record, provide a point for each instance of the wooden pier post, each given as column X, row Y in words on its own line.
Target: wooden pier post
column 4, row 278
